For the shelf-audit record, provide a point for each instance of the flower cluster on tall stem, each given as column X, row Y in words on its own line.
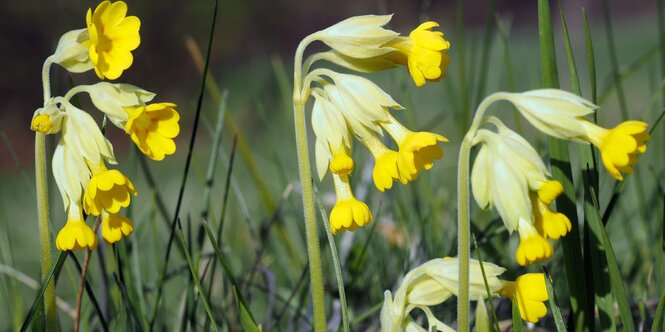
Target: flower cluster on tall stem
column 347, row 106
column 82, row 155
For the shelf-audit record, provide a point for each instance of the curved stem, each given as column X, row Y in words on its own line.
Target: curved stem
column 43, row 209
column 311, row 230
column 463, row 222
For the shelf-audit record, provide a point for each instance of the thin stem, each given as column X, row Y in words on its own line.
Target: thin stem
column 463, row 225
column 84, row 272
column 43, row 208
column 311, row 230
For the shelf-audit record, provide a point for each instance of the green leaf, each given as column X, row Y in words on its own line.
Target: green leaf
column 246, row 318
column 554, row 304
column 482, row 319
column 517, row 319
column 55, row 270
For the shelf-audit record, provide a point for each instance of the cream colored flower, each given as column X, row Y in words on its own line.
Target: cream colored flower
column 359, row 36
column 113, row 99
column 71, row 54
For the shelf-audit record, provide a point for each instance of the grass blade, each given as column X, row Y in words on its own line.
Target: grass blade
column 616, row 281
column 246, row 319
column 517, row 319
column 659, row 317
column 195, row 278
column 55, row 271
column 554, row 303
column 487, row 45
column 561, row 170
column 188, row 162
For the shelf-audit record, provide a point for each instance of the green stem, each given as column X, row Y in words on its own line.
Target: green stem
column 311, row 231
column 463, row 225
column 43, row 210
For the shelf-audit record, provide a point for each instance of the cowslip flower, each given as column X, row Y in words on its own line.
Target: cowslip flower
column 509, row 175
column 115, row 227
column 112, row 37
column 76, row 234
column 113, row 99
column 561, row 114
column 107, row 190
column 530, row 292
column 348, row 213
column 152, row 128
column 436, row 280
column 359, row 36
column 424, row 52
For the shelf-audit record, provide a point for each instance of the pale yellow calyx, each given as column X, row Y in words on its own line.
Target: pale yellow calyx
column 620, row 146
column 530, row 292
column 533, row 247
column 113, row 36
column 76, row 234
column 153, row 127
column 115, row 227
column 348, row 212
column 359, row 36
column 47, row 119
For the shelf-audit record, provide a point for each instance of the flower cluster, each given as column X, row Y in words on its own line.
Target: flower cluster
column 82, row 154
column 509, row 175
column 435, row 281
column 347, row 106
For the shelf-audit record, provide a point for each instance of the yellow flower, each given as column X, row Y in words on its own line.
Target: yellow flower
column 115, row 226
column 533, row 247
column 417, row 150
column 107, row 190
column 153, row 128
column 620, row 146
column 112, row 38
column 48, row 119
column 348, row 212
column 550, row 224
column 530, row 292
column 424, row 52
column 76, row 235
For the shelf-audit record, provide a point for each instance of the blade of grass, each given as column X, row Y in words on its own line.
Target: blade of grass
column 487, row 45
column 616, row 280
column 554, row 303
column 585, row 305
column 661, row 39
column 195, row 278
column 614, row 62
column 336, row 263
column 91, row 295
column 192, row 140
column 32, row 283
column 55, row 271
column 214, row 154
column 517, row 319
column 561, row 169
column 246, row 318
column 659, row 317
column 487, row 287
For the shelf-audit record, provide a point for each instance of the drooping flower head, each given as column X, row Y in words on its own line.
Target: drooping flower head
column 115, row 227
column 76, row 235
column 509, row 175
column 561, row 114
column 436, row 280
column 348, row 213
column 113, row 36
column 107, row 190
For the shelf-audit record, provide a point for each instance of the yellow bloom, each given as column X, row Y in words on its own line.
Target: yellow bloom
column 417, row 150
column 424, row 52
column 112, row 38
column 76, row 235
column 107, row 190
column 533, row 247
column 620, row 146
column 115, row 226
column 48, row 119
column 348, row 213
column 550, row 224
column 153, row 127
column 530, row 292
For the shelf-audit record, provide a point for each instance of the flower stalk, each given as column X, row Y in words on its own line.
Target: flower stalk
column 43, row 209
column 304, row 170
